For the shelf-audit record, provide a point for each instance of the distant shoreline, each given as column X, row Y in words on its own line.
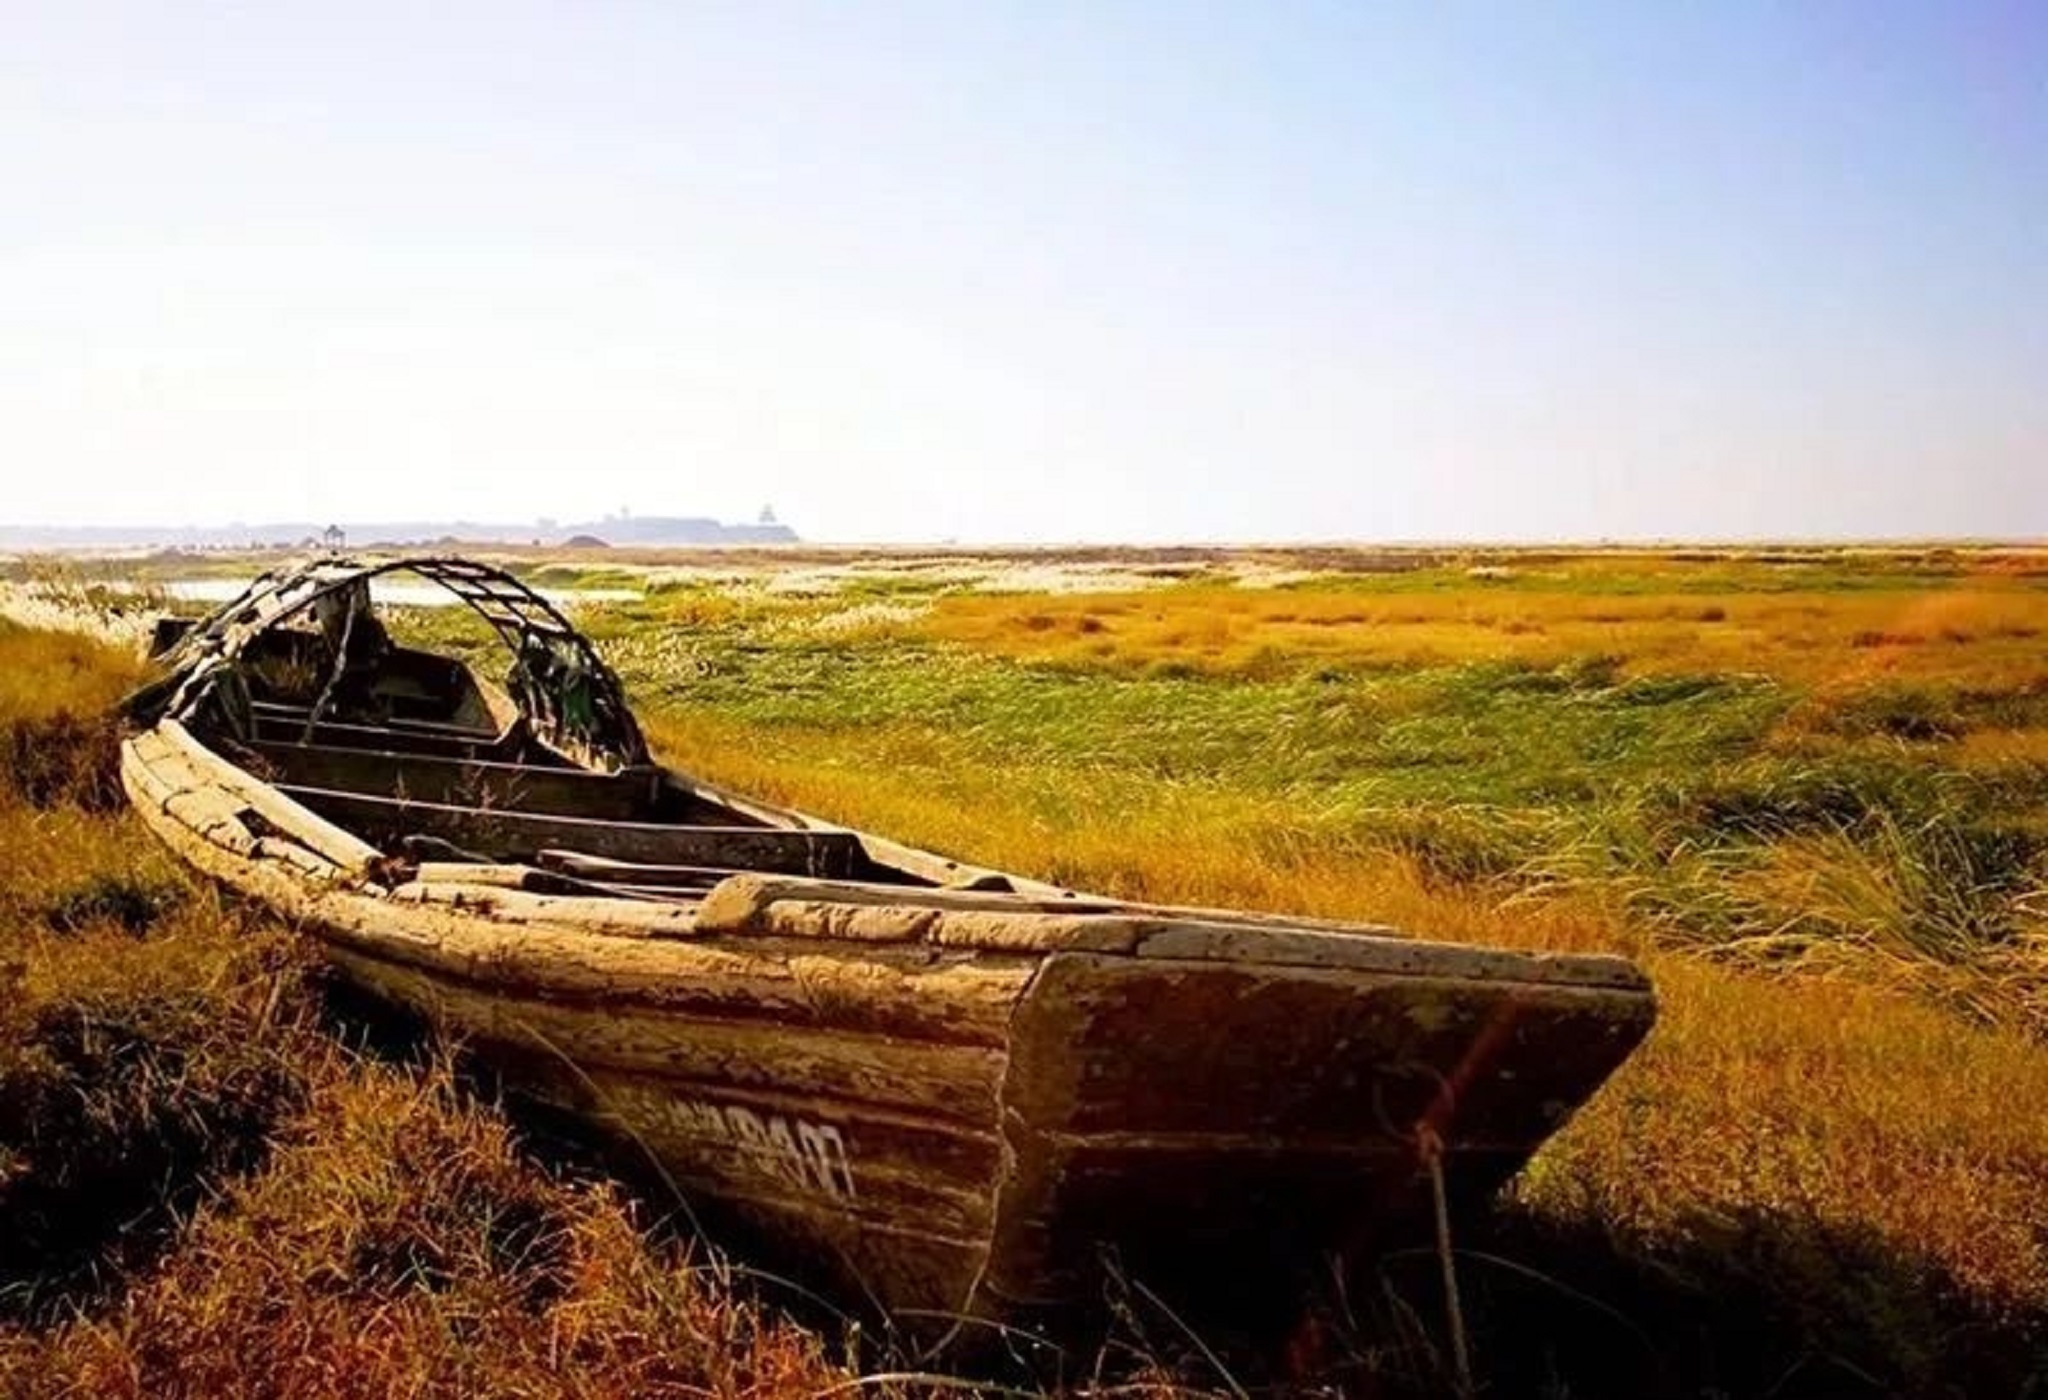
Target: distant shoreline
column 642, row 532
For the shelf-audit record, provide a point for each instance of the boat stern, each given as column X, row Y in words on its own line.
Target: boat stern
column 1225, row 1111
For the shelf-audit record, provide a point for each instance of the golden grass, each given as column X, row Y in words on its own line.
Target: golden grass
column 53, row 673
column 1813, row 1109
column 1982, row 633
column 2002, row 748
column 57, row 692
column 397, row 1243
column 1819, row 1148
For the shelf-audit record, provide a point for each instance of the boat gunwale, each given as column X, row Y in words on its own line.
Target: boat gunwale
column 738, row 908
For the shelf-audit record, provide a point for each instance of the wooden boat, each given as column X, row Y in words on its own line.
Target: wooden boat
column 962, row 1092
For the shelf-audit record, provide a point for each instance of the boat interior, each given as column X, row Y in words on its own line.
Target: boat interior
column 414, row 753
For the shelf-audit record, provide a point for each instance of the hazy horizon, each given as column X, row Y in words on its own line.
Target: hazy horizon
column 1034, row 274
column 262, row 535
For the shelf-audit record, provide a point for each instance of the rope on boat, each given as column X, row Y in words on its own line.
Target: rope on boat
column 1427, row 1139
column 1431, row 1146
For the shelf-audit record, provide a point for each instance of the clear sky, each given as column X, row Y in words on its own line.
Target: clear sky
column 1034, row 271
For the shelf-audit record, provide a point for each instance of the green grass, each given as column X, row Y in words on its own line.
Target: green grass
column 1655, row 577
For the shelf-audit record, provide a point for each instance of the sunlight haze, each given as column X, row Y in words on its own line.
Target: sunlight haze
column 1046, row 272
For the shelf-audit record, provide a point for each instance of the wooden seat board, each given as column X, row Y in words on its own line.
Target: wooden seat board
column 378, row 739
column 514, row 835
column 268, row 709
column 463, row 782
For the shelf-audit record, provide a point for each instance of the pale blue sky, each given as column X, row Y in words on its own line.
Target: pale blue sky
column 1032, row 272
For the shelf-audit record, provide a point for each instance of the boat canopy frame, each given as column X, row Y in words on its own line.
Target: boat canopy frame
column 569, row 697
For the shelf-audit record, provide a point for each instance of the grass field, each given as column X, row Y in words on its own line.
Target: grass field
column 1809, row 789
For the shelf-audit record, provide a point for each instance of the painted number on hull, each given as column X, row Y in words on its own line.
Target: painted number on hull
column 809, row 1156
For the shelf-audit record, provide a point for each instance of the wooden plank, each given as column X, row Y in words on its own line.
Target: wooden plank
column 347, row 851
column 926, row 1079
column 588, row 867
column 463, row 782
column 536, row 881
column 377, row 738
column 1271, row 943
column 599, row 913
column 439, row 729
column 509, row 835
column 852, row 912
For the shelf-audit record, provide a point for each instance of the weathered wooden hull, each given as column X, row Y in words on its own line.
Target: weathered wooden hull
column 960, row 1103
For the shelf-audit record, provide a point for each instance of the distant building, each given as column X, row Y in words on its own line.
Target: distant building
column 625, row 529
column 668, row 530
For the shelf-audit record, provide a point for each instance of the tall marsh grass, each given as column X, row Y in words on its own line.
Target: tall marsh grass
column 1816, row 816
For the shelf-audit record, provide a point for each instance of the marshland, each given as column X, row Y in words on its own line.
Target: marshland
column 1807, row 788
